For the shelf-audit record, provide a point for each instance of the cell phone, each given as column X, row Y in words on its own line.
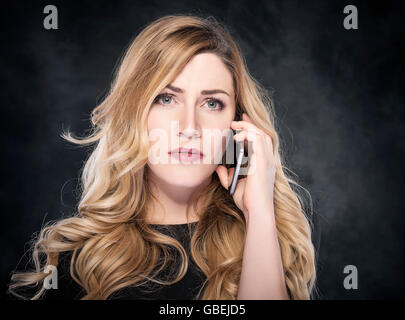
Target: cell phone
column 239, row 152
column 239, row 148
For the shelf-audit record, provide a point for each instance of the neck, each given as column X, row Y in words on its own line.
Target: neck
column 173, row 201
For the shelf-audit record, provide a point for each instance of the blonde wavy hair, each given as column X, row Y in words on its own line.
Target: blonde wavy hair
column 112, row 245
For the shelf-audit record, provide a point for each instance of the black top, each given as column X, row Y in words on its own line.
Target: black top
column 187, row 288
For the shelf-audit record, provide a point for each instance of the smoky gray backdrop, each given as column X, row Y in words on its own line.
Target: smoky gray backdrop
column 338, row 99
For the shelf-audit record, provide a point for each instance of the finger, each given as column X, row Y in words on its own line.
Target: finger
column 222, row 173
column 267, row 139
column 245, row 125
column 245, row 117
column 247, row 137
column 241, row 136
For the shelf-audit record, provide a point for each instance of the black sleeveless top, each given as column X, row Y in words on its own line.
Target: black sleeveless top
column 187, row 288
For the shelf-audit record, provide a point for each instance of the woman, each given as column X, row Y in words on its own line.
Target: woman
column 183, row 80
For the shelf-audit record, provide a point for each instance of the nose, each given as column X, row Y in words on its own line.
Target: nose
column 189, row 123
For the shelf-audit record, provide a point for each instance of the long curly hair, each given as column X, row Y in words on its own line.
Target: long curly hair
column 112, row 245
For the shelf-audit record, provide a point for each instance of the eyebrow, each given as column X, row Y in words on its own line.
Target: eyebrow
column 204, row 92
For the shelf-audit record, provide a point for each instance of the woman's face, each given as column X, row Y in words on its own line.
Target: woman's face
column 194, row 112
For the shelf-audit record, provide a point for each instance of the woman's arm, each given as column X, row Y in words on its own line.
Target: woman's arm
column 262, row 276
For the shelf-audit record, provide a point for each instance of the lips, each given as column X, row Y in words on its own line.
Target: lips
column 191, row 152
column 186, row 155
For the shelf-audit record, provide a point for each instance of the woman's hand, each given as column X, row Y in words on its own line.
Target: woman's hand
column 254, row 192
column 262, row 275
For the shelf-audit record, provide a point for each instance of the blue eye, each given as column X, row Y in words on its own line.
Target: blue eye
column 220, row 104
column 165, row 97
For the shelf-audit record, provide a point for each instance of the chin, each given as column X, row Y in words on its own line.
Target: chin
column 187, row 176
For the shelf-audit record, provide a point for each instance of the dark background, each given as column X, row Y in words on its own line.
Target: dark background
column 338, row 98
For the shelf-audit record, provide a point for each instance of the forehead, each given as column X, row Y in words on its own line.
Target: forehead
column 205, row 71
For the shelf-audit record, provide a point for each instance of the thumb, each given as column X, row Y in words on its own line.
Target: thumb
column 222, row 173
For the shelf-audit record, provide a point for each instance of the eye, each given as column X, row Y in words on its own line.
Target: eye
column 214, row 104
column 165, row 97
column 217, row 105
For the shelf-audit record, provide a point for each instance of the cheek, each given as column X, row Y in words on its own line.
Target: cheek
column 157, row 126
column 153, row 121
column 218, row 143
